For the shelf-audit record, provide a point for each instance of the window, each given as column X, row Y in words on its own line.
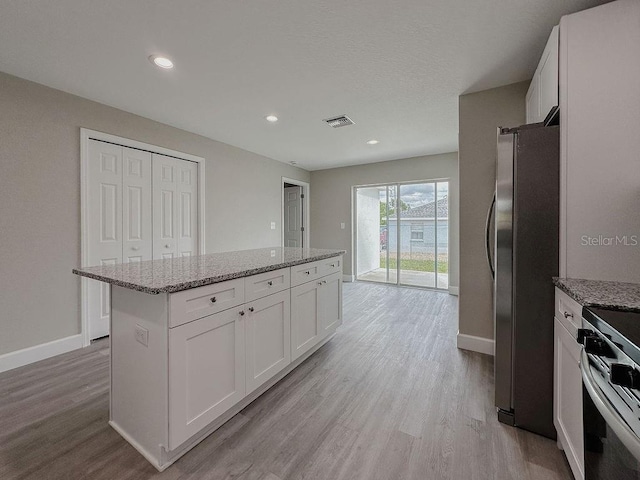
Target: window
column 417, row 235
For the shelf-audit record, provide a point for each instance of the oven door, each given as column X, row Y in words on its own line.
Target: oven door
column 611, row 448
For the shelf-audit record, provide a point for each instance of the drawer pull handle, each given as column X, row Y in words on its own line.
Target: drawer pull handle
column 567, row 314
column 241, row 312
column 212, row 299
column 251, row 309
column 269, row 283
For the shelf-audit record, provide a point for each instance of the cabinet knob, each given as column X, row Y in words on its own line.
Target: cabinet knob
column 212, row 299
column 568, row 315
column 251, row 309
column 241, row 312
column 269, row 283
column 307, row 272
column 319, row 283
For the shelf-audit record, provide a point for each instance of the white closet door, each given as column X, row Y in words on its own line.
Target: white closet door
column 175, row 207
column 104, row 214
column 136, row 200
column 187, row 212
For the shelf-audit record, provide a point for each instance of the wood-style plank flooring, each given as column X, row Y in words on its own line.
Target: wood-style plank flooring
column 390, row 397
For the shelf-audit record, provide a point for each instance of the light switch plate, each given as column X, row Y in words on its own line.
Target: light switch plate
column 273, row 225
column 342, row 225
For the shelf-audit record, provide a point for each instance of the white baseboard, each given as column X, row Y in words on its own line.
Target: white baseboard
column 19, row 358
column 476, row 344
column 453, row 291
column 348, row 278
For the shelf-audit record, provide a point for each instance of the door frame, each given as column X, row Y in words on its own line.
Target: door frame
column 305, row 206
column 85, row 136
column 354, row 227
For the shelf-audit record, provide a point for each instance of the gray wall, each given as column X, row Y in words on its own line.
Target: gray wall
column 40, row 201
column 480, row 115
column 331, row 199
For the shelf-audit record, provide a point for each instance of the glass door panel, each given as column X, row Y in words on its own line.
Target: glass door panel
column 417, row 235
column 402, row 234
column 442, row 235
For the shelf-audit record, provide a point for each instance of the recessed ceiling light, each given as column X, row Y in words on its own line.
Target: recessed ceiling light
column 160, row 61
column 372, row 142
column 271, row 118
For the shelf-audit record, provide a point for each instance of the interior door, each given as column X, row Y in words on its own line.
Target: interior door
column 175, row 207
column 136, row 205
column 104, row 234
column 293, row 217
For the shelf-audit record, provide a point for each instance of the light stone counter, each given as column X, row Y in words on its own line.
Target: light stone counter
column 174, row 275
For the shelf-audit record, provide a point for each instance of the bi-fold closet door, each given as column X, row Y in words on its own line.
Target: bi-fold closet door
column 141, row 206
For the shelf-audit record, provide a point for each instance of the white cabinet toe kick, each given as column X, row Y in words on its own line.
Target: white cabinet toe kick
column 183, row 364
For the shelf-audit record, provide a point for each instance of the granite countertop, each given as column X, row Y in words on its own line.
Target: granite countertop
column 173, row 275
column 595, row 293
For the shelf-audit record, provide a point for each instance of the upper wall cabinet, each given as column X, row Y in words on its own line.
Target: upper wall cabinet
column 599, row 126
column 543, row 91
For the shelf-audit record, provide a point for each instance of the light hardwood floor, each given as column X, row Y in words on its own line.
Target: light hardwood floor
column 390, row 397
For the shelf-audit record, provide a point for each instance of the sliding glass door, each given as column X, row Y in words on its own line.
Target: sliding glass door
column 402, row 234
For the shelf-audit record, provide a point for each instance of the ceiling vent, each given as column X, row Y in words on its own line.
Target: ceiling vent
column 336, row 122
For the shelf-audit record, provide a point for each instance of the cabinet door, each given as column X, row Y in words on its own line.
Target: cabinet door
column 532, row 106
column 206, row 372
column 567, row 405
column 547, row 74
column 268, row 338
column 330, row 303
column 306, row 331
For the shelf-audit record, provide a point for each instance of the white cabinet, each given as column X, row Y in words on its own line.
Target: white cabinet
column 185, row 362
column 206, row 372
column 567, row 382
column 268, row 338
column 543, row 91
column 599, row 125
column 330, row 303
column 306, row 331
column 316, row 312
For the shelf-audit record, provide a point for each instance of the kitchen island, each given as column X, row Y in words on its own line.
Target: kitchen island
column 196, row 339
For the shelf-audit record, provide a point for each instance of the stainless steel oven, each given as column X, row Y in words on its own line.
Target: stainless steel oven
column 611, row 395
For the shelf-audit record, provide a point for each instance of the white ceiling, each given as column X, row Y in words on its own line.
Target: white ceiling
column 395, row 67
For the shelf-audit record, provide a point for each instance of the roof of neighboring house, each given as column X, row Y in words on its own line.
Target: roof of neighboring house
column 428, row 210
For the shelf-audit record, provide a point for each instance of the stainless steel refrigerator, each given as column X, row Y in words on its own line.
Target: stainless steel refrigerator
column 525, row 257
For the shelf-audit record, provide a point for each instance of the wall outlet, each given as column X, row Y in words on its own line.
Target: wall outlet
column 273, row 225
column 142, row 335
column 342, row 225
column 273, row 253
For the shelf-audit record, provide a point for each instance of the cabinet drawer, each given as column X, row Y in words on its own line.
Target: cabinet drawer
column 263, row 284
column 195, row 303
column 331, row 265
column 306, row 272
column 568, row 312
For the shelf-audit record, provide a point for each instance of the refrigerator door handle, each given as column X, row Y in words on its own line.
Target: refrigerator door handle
column 487, row 243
